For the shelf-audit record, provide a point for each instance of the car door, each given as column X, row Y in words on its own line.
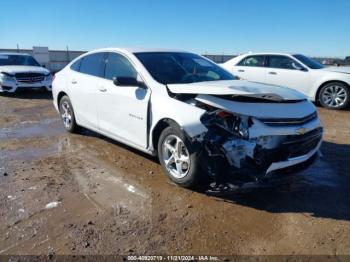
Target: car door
column 251, row 68
column 122, row 110
column 285, row 71
column 83, row 83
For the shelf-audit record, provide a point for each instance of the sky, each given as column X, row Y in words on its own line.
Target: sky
column 311, row 27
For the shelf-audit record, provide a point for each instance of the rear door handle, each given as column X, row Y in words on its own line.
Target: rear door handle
column 74, row 81
column 102, row 88
column 240, row 70
column 272, row 73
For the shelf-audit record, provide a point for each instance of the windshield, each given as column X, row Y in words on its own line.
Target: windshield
column 181, row 68
column 25, row 60
column 311, row 63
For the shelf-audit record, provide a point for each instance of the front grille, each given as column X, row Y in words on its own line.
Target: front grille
column 288, row 121
column 299, row 145
column 29, row 77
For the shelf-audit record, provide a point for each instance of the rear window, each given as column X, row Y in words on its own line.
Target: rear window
column 255, row 61
column 76, row 65
column 92, row 64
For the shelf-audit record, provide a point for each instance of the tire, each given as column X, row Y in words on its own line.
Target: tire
column 190, row 166
column 67, row 115
column 334, row 95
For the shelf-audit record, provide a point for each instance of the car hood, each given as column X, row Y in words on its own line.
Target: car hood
column 339, row 69
column 237, row 88
column 23, row 69
column 292, row 109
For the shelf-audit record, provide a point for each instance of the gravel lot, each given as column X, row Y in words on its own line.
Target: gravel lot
column 85, row 194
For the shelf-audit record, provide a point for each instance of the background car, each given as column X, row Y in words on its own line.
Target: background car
column 328, row 85
column 22, row 71
column 198, row 118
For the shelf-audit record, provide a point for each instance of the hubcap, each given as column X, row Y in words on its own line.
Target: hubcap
column 66, row 114
column 334, row 96
column 176, row 156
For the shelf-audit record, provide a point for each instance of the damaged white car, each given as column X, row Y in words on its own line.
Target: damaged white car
column 198, row 119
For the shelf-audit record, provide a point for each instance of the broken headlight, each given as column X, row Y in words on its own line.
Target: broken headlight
column 233, row 124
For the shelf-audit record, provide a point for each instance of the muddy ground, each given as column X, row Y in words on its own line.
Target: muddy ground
column 84, row 194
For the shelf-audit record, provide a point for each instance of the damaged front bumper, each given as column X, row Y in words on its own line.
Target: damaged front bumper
column 293, row 160
column 264, row 148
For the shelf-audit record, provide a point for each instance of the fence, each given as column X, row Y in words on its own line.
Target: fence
column 60, row 58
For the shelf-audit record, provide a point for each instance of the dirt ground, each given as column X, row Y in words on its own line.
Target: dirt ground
column 85, row 194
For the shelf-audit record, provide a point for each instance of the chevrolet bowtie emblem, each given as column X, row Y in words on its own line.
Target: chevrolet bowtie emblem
column 300, row 131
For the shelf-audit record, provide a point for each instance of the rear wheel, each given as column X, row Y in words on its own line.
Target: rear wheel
column 178, row 157
column 334, row 95
column 67, row 115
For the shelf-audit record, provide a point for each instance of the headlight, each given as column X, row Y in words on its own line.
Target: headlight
column 233, row 124
column 48, row 77
column 5, row 77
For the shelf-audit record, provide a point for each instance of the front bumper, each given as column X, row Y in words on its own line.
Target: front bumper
column 293, row 161
column 12, row 86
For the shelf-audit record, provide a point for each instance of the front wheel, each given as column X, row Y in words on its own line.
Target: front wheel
column 334, row 95
column 178, row 157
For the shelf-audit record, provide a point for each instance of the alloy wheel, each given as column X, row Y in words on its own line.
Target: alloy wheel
column 334, row 96
column 175, row 156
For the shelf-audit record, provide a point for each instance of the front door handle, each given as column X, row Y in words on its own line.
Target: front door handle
column 240, row 70
column 102, row 88
column 272, row 73
column 74, row 81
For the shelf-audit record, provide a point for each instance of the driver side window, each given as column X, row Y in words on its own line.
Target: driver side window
column 283, row 62
column 118, row 66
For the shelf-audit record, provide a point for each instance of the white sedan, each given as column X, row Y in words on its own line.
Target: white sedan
column 199, row 120
column 328, row 85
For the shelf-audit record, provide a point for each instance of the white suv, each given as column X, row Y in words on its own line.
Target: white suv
column 196, row 116
column 328, row 85
column 22, row 71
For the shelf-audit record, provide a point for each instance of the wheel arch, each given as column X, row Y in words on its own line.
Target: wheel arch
column 158, row 129
column 59, row 97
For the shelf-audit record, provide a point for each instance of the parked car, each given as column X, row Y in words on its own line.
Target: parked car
column 334, row 62
column 198, row 118
column 328, row 85
column 22, row 71
column 347, row 60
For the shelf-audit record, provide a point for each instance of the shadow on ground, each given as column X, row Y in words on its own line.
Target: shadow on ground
column 321, row 190
column 30, row 94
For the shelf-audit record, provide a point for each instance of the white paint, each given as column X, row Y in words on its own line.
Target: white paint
column 307, row 82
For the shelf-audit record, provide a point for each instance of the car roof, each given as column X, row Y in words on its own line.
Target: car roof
column 266, row 53
column 139, row 50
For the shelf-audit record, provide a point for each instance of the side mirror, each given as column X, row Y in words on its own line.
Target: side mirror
column 299, row 67
column 128, row 81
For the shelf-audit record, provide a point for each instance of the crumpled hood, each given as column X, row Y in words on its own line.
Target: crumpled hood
column 339, row 69
column 260, row 110
column 236, row 87
column 10, row 69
